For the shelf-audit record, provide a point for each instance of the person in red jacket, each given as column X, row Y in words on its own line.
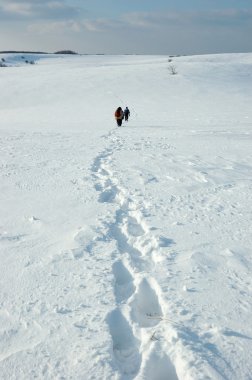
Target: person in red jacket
column 119, row 115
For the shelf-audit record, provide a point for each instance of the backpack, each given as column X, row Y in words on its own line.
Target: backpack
column 117, row 113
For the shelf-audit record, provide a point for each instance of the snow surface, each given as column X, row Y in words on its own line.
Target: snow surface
column 126, row 252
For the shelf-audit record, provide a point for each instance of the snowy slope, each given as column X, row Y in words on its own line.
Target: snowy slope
column 126, row 252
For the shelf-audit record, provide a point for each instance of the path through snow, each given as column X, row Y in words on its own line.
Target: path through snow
column 134, row 322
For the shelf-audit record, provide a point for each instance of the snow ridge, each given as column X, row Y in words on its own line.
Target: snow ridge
column 137, row 351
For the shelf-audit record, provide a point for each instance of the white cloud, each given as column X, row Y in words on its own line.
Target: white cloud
column 23, row 9
column 57, row 27
column 157, row 20
column 36, row 9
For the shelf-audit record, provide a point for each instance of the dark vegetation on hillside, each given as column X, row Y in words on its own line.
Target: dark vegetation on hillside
column 21, row 52
column 36, row 52
column 65, row 52
column 4, row 61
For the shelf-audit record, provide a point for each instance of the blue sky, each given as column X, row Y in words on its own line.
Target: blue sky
column 127, row 26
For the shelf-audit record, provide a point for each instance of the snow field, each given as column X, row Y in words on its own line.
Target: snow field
column 126, row 252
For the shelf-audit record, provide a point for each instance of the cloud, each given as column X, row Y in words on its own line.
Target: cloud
column 56, row 27
column 226, row 17
column 60, row 9
column 77, row 26
column 166, row 20
column 102, row 24
column 36, row 9
column 149, row 20
column 13, row 8
column 174, row 32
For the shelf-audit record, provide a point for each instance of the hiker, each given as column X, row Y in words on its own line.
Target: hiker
column 126, row 113
column 119, row 115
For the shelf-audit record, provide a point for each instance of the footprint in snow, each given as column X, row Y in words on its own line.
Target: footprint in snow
column 124, row 286
column 145, row 307
column 125, row 345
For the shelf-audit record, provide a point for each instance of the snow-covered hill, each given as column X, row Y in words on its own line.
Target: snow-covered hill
column 126, row 252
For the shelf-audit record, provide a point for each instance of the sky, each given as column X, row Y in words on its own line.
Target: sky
column 127, row 26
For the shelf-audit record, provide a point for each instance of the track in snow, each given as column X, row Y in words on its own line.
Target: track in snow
column 138, row 311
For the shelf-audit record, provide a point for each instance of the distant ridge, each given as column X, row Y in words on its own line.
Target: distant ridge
column 22, row 52
column 66, row 52
column 36, row 52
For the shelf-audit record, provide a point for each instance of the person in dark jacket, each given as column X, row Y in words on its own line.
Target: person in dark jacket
column 119, row 115
column 126, row 114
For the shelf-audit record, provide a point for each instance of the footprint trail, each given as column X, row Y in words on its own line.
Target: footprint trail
column 138, row 310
